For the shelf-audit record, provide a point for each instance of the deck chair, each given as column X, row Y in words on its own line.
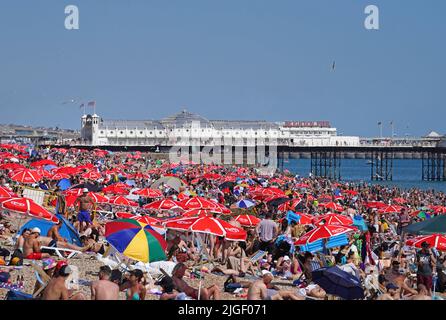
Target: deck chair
column 105, row 215
column 114, row 259
column 41, row 277
column 257, row 256
column 71, row 253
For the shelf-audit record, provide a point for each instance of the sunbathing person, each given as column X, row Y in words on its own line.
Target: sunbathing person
column 91, row 245
column 104, row 289
column 168, row 289
column 58, row 241
column 313, row 291
column 205, row 294
column 423, row 293
column 259, row 290
column 31, row 246
column 56, row 288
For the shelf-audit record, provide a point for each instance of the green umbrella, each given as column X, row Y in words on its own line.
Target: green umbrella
column 430, row 226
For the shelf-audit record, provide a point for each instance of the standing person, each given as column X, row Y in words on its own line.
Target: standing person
column 426, row 262
column 403, row 221
column 267, row 231
column 61, row 203
column 86, row 204
column 104, row 288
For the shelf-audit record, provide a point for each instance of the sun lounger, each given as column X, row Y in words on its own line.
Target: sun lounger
column 71, row 253
column 105, row 215
column 257, row 256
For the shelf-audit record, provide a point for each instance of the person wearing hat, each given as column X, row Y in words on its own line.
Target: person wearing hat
column 48, row 266
column 31, row 246
column 56, row 288
column 426, row 261
column 104, row 289
column 86, row 205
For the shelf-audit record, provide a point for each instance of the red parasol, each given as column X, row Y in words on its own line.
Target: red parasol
column 323, row 232
column 27, row 206
column 42, row 163
column 437, row 241
column 149, row 193
column 165, row 204
column 334, row 219
column 248, row 220
column 25, row 176
column 121, row 201
column 332, row 206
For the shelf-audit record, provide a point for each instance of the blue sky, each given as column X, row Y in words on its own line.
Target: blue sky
column 227, row 59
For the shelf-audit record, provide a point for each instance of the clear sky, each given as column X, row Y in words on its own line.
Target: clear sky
column 227, row 59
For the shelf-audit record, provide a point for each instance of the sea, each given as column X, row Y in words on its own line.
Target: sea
column 406, row 173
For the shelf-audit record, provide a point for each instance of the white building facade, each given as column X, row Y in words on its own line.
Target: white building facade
column 185, row 129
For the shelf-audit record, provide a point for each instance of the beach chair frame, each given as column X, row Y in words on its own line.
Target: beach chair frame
column 59, row 251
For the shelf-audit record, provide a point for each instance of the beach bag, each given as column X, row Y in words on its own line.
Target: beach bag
column 17, row 254
column 230, row 286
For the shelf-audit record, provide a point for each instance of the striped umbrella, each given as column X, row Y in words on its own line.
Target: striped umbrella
column 245, row 204
column 136, row 240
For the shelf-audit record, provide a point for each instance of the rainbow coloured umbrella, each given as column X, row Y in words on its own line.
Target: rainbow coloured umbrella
column 136, row 240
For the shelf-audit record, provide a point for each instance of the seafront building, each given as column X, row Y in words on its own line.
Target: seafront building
column 186, row 128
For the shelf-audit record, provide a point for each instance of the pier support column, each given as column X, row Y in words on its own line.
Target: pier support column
column 382, row 165
column 326, row 164
column 433, row 166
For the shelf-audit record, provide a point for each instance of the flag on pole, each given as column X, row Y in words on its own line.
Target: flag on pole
column 81, row 106
column 92, row 103
column 379, row 123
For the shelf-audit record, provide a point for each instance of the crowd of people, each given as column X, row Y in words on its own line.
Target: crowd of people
column 273, row 262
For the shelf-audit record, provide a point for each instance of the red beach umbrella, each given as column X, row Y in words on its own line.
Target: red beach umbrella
column 437, row 241
column 91, row 175
column 121, row 201
column 165, row 204
column 6, row 192
column 42, row 163
column 198, row 203
column 149, row 193
column 98, row 198
column 323, row 232
column 25, row 176
column 27, row 206
column 332, row 206
column 248, row 220
column 334, row 219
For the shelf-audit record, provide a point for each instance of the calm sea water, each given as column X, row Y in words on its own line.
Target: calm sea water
column 406, row 172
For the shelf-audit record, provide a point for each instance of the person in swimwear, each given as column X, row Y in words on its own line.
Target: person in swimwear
column 31, row 246
column 85, row 204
